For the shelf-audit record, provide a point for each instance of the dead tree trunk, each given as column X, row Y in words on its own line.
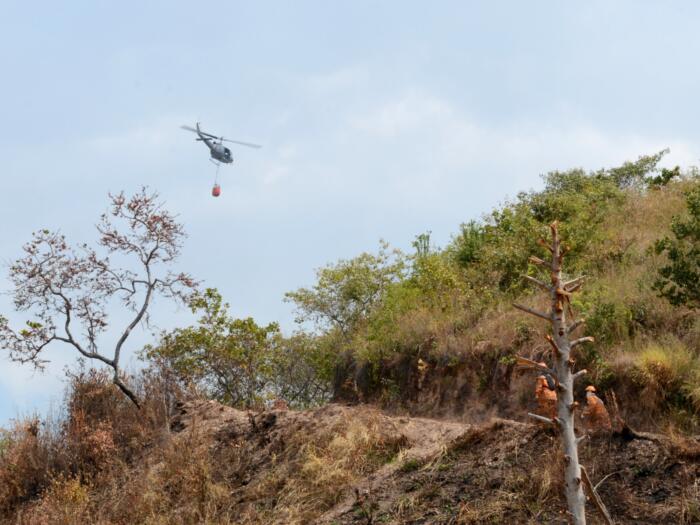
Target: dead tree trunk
column 562, row 370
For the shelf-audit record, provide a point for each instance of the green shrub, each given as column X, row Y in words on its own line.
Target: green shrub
column 467, row 246
column 679, row 281
column 607, row 318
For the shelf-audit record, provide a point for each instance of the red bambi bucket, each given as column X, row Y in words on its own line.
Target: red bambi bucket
column 216, row 190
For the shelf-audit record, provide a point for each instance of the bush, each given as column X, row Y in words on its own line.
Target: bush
column 667, row 373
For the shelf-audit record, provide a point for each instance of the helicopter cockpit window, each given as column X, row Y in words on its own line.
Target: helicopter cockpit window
column 228, row 151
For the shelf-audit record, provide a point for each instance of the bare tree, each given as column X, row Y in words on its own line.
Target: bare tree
column 70, row 290
column 563, row 374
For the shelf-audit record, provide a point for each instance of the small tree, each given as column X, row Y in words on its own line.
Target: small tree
column 302, row 369
column 562, row 346
column 679, row 280
column 346, row 292
column 69, row 290
column 231, row 359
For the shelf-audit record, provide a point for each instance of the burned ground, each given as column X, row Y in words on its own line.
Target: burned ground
column 354, row 464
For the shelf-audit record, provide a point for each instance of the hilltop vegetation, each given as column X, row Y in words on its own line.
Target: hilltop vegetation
column 409, row 328
column 427, row 333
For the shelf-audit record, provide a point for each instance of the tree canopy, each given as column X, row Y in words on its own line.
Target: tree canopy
column 70, row 290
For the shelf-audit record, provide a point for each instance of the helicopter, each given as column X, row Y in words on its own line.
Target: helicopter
column 219, row 152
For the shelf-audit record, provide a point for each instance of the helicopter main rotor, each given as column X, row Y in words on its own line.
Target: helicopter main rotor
column 220, row 139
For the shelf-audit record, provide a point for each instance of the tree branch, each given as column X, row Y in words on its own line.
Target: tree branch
column 606, row 477
column 578, row 374
column 545, row 244
column 573, row 284
column 117, row 381
column 538, row 261
column 70, row 339
column 577, row 342
column 542, row 418
column 33, row 352
column 528, row 363
column 89, row 355
column 134, row 322
column 594, row 496
column 550, row 340
column 531, row 311
column 539, row 283
column 573, row 326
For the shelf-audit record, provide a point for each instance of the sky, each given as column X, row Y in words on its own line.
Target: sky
column 378, row 120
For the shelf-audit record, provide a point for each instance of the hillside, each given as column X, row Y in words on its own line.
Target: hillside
column 442, row 338
column 407, row 401
column 357, row 465
column 341, row 464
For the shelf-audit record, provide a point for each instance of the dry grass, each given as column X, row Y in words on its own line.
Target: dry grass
column 324, row 467
column 657, row 381
column 48, row 468
column 65, row 502
column 292, row 468
column 25, row 464
column 632, row 229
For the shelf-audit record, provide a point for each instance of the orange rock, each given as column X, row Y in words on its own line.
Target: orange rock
column 546, row 398
column 596, row 419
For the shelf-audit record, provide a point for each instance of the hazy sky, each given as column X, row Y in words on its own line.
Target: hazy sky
column 378, row 120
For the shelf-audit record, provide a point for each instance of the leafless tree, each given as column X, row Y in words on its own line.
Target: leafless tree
column 563, row 371
column 69, row 290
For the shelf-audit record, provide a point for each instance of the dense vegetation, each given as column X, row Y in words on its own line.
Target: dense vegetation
column 240, row 363
column 431, row 331
column 391, row 318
